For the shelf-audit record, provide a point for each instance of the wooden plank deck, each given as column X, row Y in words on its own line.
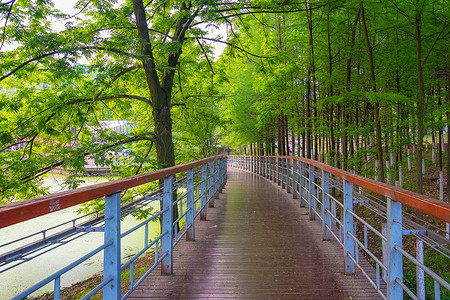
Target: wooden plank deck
column 256, row 244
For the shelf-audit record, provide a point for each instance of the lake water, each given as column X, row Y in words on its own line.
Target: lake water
column 21, row 277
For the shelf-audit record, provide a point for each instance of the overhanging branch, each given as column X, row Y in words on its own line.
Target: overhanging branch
column 67, row 50
column 234, row 46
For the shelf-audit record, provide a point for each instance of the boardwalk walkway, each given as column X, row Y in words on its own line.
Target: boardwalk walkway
column 257, row 244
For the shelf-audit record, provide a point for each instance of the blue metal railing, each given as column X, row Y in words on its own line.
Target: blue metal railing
column 335, row 197
column 201, row 181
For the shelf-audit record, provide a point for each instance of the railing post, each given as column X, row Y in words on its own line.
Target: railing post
column 265, row 166
column 312, row 194
column 283, row 173
column 270, row 168
column 223, row 172
column 420, row 274
column 302, row 184
column 167, row 228
column 349, row 243
column 258, row 159
column 190, row 216
column 211, row 184
column 326, row 205
column 279, row 171
column 395, row 258
column 111, row 259
column 204, row 198
column 294, row 179
column 288, row 175
column 216, row 178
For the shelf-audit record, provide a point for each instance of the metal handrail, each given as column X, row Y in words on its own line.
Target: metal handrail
column 430, row 206
column 17, row 212
column 313, row 188
column 213, row 178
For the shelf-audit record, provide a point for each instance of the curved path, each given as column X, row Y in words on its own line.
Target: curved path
column 256, row 244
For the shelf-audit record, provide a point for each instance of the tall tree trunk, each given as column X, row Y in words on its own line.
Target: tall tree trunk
column 421, row 104
column 374, row 89
column 161, row 92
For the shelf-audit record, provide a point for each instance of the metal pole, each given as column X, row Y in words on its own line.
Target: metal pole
column 395, row 259
column 167, row 228
column 420, row 274
column 294, row 179
column 349, row 243
column 302, row 184
column 311, row 194
column 203, row 198
column 190, row 216
column 216, row 179
column 111, row 259
column 326, row 205
column 211, row 185
column 288, row 175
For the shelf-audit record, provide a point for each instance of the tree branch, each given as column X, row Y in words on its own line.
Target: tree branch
column 47, row 169
column 120, row 74
column 206, row 56
column 134, row 97
column 68, row 50
column 234, row 46
column 6, row 21
column 261, row 11
column 434, row 43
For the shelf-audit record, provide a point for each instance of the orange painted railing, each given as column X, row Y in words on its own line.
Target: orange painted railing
column 21, row 211
column 428, row 205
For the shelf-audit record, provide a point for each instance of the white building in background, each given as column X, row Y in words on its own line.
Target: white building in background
column 119, row 126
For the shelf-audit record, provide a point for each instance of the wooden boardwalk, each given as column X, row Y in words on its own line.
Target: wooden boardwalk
column 256, row 244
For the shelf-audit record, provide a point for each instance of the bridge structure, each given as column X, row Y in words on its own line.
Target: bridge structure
column 242, row 227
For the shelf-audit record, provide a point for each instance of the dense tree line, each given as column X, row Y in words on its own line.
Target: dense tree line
column 348, row 82
column 362, row 85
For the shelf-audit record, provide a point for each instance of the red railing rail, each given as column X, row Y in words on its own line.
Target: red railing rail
column 17, row 212
column 428, row 205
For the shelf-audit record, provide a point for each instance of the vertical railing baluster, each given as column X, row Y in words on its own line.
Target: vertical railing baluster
column 294, row 179
column 283, row 173
column 146, row 235
column 311, row 194
column 204, row 199
column 302, row 184
column 130, row 286
column 190, row 215
column 279, row 171
column 167, row 228
column 225, row 175
column 111, row 258
column 211, row 185
column 288, row 175
column 420, row 274
column 216, row 179
column 437, row 290
column 264, row 162
column 395, row 259
column 57, row 288
column 258, row 165
column 222, row 167
column 271, row 168
column 349, row 243
column 326, row 217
